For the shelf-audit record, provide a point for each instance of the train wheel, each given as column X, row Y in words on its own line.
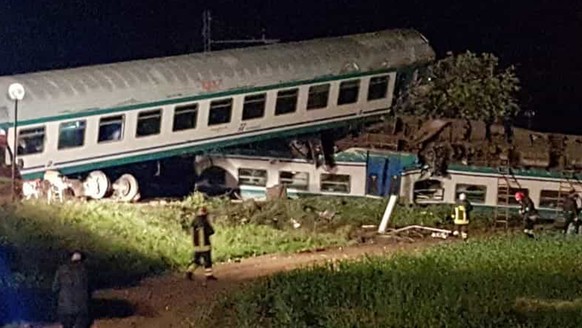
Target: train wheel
column 97, row 185
column 126, row 188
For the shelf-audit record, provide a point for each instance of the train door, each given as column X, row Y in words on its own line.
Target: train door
column 375, row 175
column 392, row 176
column 383, row 175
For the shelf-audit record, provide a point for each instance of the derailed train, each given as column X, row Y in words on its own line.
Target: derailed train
column 127, row 122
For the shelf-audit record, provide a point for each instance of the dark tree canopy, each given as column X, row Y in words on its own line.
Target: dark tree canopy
column 466, row 86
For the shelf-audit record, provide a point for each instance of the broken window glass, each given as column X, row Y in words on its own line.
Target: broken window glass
column 428, row 190
column 335, row 183
column 252, row 177
column 295, row 180
column 31, row 141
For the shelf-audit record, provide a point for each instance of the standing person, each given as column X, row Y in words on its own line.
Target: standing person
column 201, row 232
column 571, row 211
column 71, row 283
column 463, row 209
column 528, row 211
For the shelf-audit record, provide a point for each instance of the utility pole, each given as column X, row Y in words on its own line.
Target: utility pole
column 207, row 35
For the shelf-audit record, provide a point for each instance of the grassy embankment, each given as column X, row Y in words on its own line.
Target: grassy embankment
column 126, row 242
column 502, row 282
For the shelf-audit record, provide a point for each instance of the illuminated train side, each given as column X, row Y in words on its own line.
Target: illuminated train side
column 113, row 122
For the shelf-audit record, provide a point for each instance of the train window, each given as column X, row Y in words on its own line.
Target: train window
column 71, row 134
column 31, row 141
column 428, row 190
column 335, row 183
column 551, row 198
column 509, row 198
column 254, row 106
column 318, row 96
column 295, row 180
column 148, row 123
column 378, row 88
column 474, row 193
column 220, row 112
column 185, row 117
column 348, row 93
column 110, row 128
column 286, row 101
column 252, row 177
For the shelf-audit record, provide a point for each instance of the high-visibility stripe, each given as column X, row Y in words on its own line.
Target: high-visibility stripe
column 208, row 272
column 460, row 215
column 201, row 248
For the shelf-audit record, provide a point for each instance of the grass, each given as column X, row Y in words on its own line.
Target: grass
column 125, row 243
column 499, row 282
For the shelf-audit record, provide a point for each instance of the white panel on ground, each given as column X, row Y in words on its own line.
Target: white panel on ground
column 387, row 213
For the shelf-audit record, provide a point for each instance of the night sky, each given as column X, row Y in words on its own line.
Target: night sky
column 542, row 38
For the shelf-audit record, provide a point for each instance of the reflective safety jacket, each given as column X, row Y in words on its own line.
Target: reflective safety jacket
column 201, row 232
column 462, row 210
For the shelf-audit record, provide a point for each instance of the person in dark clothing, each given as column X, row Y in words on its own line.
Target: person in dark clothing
column 528, row 211
column 201, row 232
column 71, row 283
column 571, row 211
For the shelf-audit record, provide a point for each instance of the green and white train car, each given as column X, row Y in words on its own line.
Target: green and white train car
column 357, row 172
column 100, row 121
column 488, row 187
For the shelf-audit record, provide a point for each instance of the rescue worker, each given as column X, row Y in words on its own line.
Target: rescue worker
column 528, row 212
column 571, row 211
column 461, row 216
column 201, row 232
column 71, row 283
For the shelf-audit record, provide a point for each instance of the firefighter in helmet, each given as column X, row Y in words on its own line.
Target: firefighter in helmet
column 201, row 232
column 463, row 209
column 571, row 211
column 528, row 212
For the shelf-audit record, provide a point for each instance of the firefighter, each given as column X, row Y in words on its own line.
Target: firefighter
column 571, row 211
column 528, row 211
column 461, row 216
column 71, row 283
column 201, row 232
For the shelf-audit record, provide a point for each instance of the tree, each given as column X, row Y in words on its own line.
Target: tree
column 466, row 86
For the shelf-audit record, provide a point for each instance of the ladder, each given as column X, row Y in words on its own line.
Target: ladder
column 505, row 182
column 566, row 185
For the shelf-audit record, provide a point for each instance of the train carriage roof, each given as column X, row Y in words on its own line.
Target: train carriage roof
column 61, row 92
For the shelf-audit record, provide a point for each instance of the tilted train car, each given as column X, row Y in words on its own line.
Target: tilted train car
column 98, row 122
column 365, row 172
column 357, row 172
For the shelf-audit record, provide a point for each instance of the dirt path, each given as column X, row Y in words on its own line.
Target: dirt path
column 172, row 301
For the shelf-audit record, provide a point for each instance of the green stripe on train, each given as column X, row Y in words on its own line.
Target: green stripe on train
column 96, row 165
